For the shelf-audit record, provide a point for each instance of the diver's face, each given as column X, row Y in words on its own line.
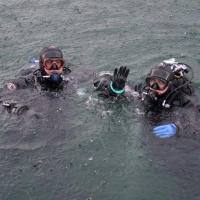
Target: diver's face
column 53, row 65
column 158, row 86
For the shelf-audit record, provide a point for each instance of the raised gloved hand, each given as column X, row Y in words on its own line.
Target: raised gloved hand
column 14, row 107
column 165, row 131
column 119, row 79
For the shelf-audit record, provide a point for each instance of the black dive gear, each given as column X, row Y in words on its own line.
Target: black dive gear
column 45, row 82
column 14, row 107
column 173, row 74
column 148, row 95
column 55, row 79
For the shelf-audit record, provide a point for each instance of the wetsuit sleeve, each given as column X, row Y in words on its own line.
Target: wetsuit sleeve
column 20, row 82
column 101, row 85
column 17, row 83
column 9, row 94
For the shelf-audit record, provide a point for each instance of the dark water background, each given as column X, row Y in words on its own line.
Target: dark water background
column 78, row 151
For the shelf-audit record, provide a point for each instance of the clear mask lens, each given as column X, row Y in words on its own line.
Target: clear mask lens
column 54, row 63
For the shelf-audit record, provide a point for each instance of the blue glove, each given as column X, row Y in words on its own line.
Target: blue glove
column 165, row 131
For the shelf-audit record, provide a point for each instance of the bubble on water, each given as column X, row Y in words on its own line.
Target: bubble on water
column 90, row 158
column 59, row 109
column 81, row 91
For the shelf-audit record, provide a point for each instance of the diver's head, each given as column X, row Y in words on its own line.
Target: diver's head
column 51, row 61
column 159, row 78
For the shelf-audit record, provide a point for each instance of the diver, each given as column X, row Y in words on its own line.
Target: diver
column 166, row 88
column 50, row 75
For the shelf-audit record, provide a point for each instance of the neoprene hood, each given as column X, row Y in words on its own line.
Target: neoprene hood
column 48, row 52
column 162, row 71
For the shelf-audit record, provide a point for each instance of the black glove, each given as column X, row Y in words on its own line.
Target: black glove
column 119, row 78
column 14, row 107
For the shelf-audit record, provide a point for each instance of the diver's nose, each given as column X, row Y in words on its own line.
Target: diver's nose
column 54, row 67
column 155, row 86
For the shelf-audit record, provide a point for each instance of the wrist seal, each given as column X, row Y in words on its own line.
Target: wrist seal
column 116, row 91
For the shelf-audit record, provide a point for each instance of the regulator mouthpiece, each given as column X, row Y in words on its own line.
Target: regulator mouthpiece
column 150, row 96
column 55, row 78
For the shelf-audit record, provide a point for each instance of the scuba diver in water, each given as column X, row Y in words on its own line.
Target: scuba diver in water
column 50, row 76
column 165, row 89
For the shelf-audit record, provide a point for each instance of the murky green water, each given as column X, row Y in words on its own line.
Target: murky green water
column 95, row 151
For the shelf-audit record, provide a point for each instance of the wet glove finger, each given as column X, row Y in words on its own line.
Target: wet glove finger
column 126, row 73
column 115, row 72
column 120, row 70
column 123, row 70
column 164, row 135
